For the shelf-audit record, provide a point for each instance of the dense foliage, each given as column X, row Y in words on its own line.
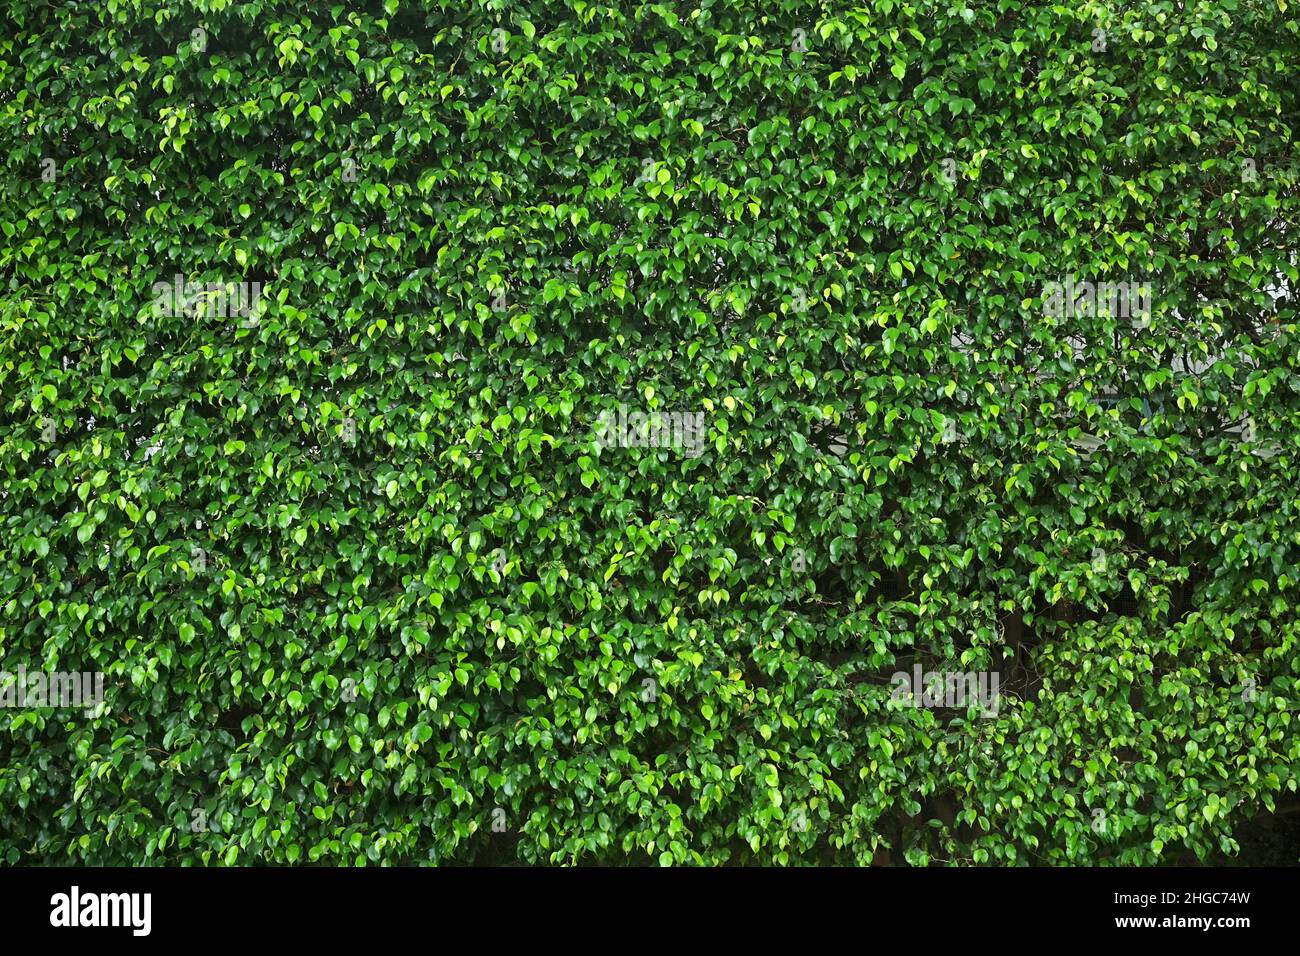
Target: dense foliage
column 361, row 548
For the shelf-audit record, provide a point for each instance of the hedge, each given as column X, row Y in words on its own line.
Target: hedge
column 568, row 433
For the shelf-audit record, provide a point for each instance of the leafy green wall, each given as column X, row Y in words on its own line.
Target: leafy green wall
column 370, row 572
